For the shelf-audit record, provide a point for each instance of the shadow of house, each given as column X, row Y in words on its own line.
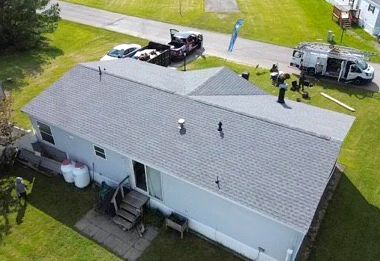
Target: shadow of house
column 60, row 200
column 24, row 64
column 349, row 219
column 51, row 195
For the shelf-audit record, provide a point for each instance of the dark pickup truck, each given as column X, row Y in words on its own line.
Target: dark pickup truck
column 155, row 53
column 184, row 43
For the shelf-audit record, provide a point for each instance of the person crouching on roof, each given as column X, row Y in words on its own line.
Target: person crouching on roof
column 20, row 188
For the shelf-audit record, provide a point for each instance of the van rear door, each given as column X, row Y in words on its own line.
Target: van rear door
column 296, row 58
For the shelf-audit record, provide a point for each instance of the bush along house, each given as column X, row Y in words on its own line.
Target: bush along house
column 245, row 170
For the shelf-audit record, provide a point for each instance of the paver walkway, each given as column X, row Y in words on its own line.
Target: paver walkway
column 221, row 6
column 245, row 52
column 126, row 244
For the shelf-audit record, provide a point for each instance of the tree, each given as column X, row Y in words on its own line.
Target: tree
column 8, row 136
column 6, row 125
column 22, row 22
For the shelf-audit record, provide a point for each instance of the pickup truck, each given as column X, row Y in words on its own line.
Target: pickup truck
column 155, row 53
column 184, row 43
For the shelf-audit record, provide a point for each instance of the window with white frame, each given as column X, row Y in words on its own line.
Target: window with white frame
column 99, row 152
column 45, row 132
column 371, row 8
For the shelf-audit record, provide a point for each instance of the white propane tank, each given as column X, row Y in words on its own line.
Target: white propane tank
column 81, row 175
column 67, row 168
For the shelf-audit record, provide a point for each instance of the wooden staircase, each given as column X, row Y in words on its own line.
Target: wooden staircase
column 128, row 207
column 346, row 23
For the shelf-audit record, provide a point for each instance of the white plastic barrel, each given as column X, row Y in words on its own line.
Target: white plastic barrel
column 67, row 168
column 81, row 175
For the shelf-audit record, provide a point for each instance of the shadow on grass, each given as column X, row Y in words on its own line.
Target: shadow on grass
column 168, row 245
column 17, row 65
column 350, row 229
column 358, row 91
column 51, row 195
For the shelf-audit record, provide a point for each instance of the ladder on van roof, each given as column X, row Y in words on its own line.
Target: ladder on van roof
column 335, row 49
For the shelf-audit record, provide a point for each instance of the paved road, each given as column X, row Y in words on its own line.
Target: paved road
column 246, row 51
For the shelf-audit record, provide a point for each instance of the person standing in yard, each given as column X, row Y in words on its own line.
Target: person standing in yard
column 318, row 70
column 301, row 83
column 20, row 188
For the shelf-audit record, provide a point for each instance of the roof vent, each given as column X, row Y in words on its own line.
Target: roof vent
column 220, row 129
column 100, row 73
column 181, row 126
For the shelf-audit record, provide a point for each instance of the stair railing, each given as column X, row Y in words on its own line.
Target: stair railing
column 119, row 188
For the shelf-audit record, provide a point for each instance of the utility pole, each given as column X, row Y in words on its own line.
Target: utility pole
column 341, row 36
column 184, row 61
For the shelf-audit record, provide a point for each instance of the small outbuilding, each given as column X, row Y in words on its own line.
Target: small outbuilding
column 365, row 12
column 246, row 171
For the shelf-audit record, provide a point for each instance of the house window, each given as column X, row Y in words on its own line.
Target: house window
column 99, row 152
column 154, row 182
column 45, row 132
column 371, row 8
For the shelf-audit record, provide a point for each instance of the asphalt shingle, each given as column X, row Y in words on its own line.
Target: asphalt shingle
column 293, row 114
column 274, row 169
column 212, row 81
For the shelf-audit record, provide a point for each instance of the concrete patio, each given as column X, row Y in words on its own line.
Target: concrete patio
column 126, row 244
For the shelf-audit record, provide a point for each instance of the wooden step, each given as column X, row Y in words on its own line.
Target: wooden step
column 129, row 208
column 136, row 199
column 126, row 215
column 138, row 195
column 134, row 202
column 122, row 222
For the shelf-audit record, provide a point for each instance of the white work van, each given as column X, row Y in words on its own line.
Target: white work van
column 342, row 63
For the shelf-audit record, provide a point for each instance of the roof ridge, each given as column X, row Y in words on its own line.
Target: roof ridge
column 189, row 73
column 220, row 107
column 221, row 68
column 127, row 79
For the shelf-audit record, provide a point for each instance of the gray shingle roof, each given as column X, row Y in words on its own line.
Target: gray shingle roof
column 293, row 114
column 226, row 82
column 278, row 171
column 213, row 81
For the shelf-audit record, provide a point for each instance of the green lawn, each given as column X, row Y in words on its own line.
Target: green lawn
column 33, row 71
column 350, row 230
column 43, row 228
column 282, row 22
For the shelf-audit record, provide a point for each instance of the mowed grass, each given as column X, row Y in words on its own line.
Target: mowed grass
column 351, row 227
column 281, row 22
column 350, row 230
column 33, row 71
column 42, row 229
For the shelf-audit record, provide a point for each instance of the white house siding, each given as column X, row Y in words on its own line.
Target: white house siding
column 342, row 2
column 228, row 223
column 217, row 218
column 113, row 169
column 368, row 20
